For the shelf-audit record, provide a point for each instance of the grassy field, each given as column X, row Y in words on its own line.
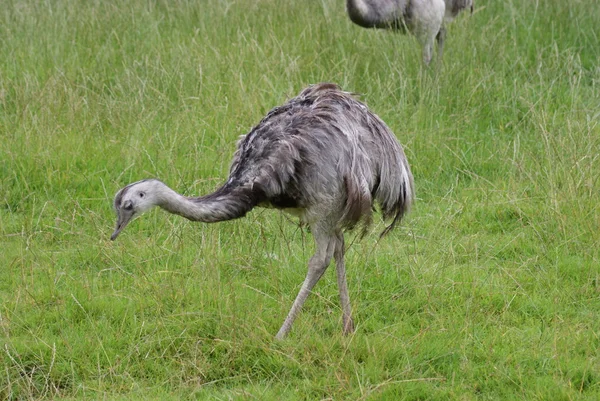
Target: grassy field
column 490, row 290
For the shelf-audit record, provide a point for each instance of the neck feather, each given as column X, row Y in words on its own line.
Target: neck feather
column 224, row 204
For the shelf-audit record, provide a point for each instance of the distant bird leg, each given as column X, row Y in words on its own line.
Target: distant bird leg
column 427, row 52
column 440, row 38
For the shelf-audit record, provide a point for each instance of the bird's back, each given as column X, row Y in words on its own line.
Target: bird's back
column 325, row 154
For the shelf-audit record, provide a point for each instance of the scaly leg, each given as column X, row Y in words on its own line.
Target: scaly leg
column 427, row 49
column 340, row 269
column 316, row 267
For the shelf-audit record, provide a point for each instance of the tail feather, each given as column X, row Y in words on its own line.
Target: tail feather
column 358, row 207
column 395, row 192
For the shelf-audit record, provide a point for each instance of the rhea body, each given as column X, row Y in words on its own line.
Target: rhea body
column 323, row 156
column 423, row 18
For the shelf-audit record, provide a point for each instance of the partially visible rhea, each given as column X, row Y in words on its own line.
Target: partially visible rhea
column 423, row 18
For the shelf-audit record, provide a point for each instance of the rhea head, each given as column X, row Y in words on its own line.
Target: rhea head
column 135, row 199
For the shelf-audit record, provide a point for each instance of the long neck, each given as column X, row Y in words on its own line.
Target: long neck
column 375, row 13
column 224, row 204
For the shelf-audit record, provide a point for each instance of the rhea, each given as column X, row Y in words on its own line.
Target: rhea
column 323, row 156
column 423, row 18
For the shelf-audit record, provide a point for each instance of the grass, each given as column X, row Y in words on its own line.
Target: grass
column 490, row 289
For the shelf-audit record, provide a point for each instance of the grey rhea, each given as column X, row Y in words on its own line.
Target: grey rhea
column 322, row 156
column 424, row 18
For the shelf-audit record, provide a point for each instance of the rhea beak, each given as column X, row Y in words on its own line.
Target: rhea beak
column 123, row 218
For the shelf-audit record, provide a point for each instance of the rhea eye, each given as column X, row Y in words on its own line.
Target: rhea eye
column 142, row 194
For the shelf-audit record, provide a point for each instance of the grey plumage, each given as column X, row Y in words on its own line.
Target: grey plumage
column 322, row 156
column 424, row 18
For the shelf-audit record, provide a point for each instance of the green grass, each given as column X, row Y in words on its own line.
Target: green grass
column 490, row 290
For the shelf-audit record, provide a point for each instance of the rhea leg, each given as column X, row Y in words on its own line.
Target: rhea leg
column 441, row 36
column 316, row 267
column 427, row 18
column 426, row 52
column 342, row 284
